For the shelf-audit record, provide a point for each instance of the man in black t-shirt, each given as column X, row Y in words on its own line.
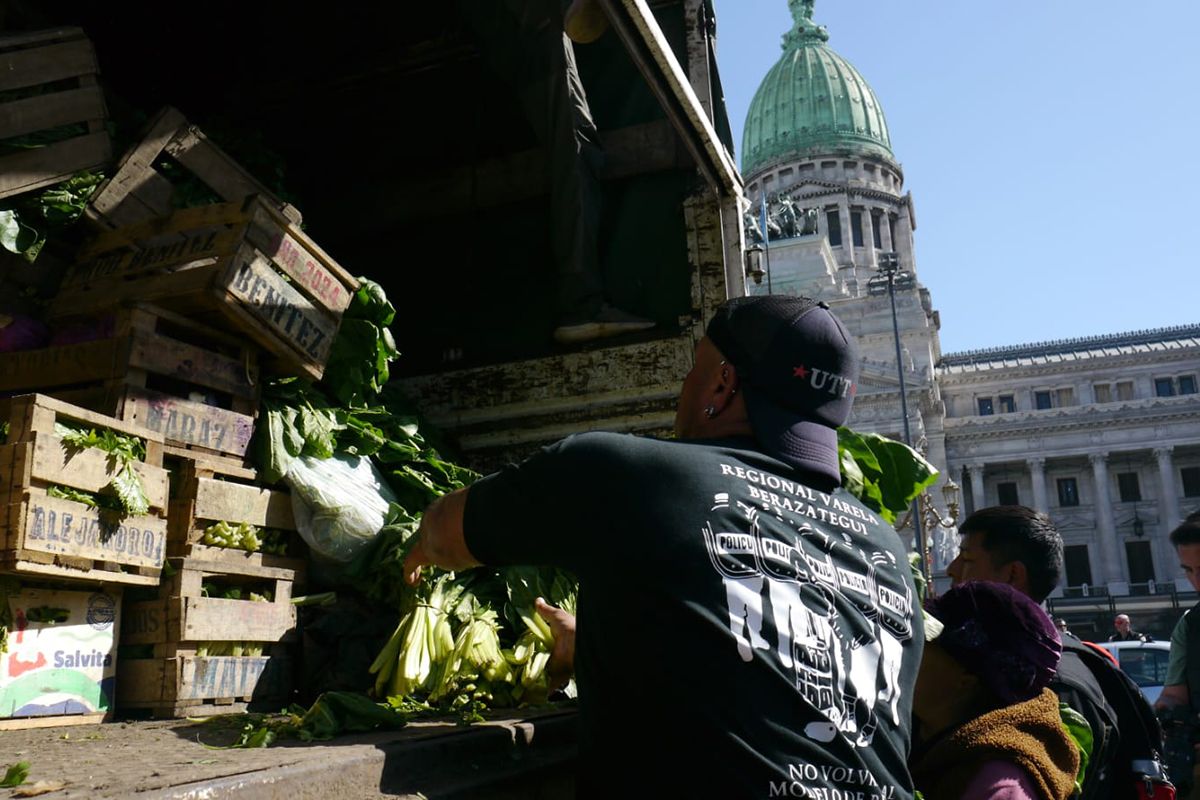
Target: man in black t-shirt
column 746, row 628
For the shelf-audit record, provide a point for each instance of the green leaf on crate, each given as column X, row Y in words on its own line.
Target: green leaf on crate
column 129, row 490
column 63, row 204
column 15, row 775
column 886, row 475
column 123, row 451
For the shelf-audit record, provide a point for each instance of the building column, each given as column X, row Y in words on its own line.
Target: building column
column 1168, row 508
column 1168, row 512
column 847, row 235
column 904, row 246
column 977, row 499
column 1106, row 527
column 869, row 238
column 885, row 233
column 1037, row 475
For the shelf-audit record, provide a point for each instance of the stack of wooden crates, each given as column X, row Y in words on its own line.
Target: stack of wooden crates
column 163, row 328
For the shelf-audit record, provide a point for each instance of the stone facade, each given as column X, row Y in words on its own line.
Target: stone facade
column 1102, row 433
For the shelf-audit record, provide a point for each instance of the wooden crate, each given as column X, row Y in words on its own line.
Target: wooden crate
column 206, row 492
column 240, row 265
column 48, row 86
column 52, row 536
column 195, row 386
column 139, row 191
column 174, row 680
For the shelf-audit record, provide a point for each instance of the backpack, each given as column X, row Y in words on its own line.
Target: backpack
column 1127, row 738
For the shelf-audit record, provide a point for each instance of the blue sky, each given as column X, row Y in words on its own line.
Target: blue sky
column 1050, row 146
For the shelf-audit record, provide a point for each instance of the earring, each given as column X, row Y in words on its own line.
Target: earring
column 710, row 412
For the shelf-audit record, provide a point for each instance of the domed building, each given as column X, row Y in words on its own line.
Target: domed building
column 1102, row 433
column 821, row 174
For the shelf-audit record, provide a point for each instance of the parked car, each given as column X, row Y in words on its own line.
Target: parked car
column 1144, row 662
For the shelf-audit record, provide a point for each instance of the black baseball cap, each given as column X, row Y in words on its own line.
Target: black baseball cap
column 798, row 368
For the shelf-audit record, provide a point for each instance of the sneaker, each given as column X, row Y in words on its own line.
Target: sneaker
column 609, row 321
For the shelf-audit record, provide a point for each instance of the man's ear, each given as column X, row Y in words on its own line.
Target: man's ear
column 1018, row 576
column 727, row 386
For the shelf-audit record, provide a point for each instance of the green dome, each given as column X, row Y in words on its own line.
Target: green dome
column 813, row 102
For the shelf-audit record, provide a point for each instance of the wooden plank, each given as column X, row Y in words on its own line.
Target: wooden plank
column 12, row 41
column 142, row 680
column 184, row 288
column 191, row 148
column 21, row 117
column 29, row 723
column 133, row 167
column 234, row 502
column 233, row 677
column 61, row 365
column 144, row 622
column 196, row 566
column 54, row 62
column 89, row 469
column 221, row 465
column 166, row 355
column 146, row 233
column 188, row 422
column 116, row 203
column 57, row 408
column 22, row 566
column 63, row 527
column 235, row 559
column 153, row 255
column 33, row 169
column 292, row 317
column 302, row 260
column 214, row 619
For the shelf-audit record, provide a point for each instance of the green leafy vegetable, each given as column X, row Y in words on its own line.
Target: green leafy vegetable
column 8, row 588
column 48, row 615
column 884, row 474
column 360, row 355
column 15, row 775
column 123, row 452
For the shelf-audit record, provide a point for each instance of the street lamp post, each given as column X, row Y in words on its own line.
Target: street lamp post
column 889, row 275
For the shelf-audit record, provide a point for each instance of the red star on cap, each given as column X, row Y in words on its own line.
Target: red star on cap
column 799, row 372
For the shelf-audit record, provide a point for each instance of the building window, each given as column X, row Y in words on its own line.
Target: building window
column 1187, row 384
column 892, row 230
column 856, row 230
column 1141, row 563
column 1006, row 494
column 833, row 227
column 1053, row 398
column 1125, row 390
column 1191, row 481
column 985, row 407
column 1007, row 404
column 1077, row 565
column 1103, row 393
column 1164, row 387
column 876, row 233
column 1180, row 384
column 1128, row 486
column 1068, row 492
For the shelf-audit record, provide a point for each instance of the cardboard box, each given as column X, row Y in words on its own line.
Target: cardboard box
column 65, row 668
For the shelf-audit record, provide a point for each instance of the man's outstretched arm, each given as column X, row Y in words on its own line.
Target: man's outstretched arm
column 440, row 540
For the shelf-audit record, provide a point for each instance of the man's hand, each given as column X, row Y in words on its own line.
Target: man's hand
column 561, row 666
column 440, row 541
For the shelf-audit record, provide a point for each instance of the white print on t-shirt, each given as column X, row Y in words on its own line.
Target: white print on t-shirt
column 809, row 574
column 732, row 555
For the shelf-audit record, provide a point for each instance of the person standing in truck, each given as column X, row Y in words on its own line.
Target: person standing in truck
column 529, row 44
column 687, row 687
